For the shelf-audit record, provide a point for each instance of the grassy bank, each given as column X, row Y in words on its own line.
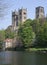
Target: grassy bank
column 36, row 49
column 27, row 49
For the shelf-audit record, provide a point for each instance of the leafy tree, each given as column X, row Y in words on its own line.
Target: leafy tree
column 26, row 33
column 27, row 23
column 42, row 36
column 36, row 25
column 9, row 33
column 2, row 37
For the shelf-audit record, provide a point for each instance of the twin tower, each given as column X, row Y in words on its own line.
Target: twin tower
column 21, row 16
column 18, row 17
column 40, row 12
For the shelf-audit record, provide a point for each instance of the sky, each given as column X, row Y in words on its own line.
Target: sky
column 12, row 5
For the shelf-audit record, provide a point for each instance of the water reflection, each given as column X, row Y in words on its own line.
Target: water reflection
column 22, row 58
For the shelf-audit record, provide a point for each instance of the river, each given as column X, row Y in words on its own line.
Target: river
column 23, row 58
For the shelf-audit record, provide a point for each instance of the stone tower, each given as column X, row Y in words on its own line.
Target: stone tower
column 40, row 12
column 18, row 17
column 14, row 20
column 22, row 15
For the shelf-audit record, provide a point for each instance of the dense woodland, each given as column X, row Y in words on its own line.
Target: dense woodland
column 32, row 33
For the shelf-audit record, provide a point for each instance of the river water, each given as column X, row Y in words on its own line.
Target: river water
column 23, row 58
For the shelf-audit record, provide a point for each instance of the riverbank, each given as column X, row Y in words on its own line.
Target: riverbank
column 25, row 49
column 36, row 49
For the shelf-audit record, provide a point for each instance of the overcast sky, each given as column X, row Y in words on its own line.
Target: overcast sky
column 7, row 6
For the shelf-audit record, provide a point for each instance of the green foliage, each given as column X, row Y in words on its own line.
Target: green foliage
column 26, row 33
column 29, row 31
column 2, row 37
column 36, row 25
column 28, row 22
column 42, row 36
column 9, row 34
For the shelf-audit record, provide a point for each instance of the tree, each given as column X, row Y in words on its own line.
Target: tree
column 42, row 36
column 2, row 37
column 27, row 23
column 26, row 33
column 36, row 25
column 9, row 33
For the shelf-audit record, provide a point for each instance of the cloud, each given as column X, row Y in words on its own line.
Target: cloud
column 3, row 8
